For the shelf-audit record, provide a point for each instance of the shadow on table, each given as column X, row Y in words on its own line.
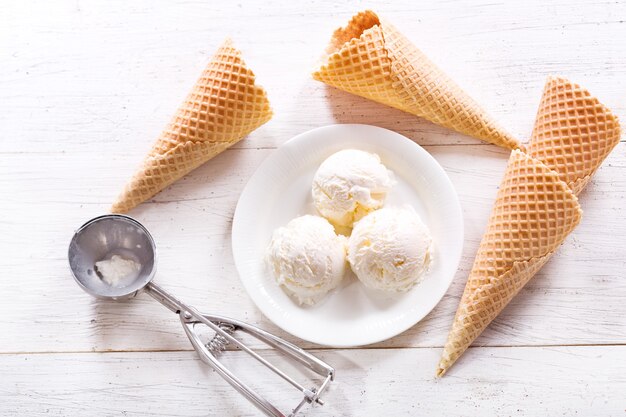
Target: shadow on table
column 349, row 108
column 201, row 185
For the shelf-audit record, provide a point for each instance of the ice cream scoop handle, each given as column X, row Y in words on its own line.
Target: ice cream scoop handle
column 178, row 307
column 163, row 297
column 189, row 316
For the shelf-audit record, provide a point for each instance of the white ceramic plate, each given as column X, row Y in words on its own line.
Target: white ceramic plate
column 280, row 190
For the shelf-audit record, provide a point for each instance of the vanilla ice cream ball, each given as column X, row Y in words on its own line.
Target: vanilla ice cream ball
column 307, row 258
column 349, row 184
column 390, row 249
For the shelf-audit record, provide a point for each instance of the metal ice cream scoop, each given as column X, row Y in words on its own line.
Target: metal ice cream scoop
column 103, row 237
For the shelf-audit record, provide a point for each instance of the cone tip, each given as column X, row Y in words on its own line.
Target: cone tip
column 118, row 208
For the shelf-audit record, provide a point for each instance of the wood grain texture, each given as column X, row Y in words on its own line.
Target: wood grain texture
column 109, row 75
column 526, row 381
column 85, row 88
column 575, row 299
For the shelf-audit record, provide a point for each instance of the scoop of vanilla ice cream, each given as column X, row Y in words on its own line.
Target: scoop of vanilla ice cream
column 349, row 184
column 307, row 258
column 117, row 270
column 390, row 249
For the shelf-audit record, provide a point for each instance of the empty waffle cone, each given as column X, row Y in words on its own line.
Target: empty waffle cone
column 370, row 58
column 573, row 132
column 224, row 106
column 534, row 212
column 536, row 207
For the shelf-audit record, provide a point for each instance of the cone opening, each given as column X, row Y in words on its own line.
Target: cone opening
column 359, row 23
column 589, row 124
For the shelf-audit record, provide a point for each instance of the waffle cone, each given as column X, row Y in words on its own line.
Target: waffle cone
column 533, row 213
column 573, row 132
column 223, row 107
column 370, row 58
column 536, row 206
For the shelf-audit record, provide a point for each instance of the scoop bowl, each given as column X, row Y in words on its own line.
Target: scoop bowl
column 101, row 238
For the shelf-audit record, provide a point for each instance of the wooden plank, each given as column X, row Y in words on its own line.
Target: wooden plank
column 85, row 87
column 106, row 76
column 575, row 299
column 398, row 382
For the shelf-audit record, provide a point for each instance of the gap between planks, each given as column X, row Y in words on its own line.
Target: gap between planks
column 241, row 148
column 316, row 349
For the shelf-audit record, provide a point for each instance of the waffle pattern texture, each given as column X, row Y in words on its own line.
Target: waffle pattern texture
column 223, row 107
column 536, row 206
column 573, row 132
column 370, row 58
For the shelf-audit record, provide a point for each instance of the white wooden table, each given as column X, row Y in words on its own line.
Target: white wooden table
column 86, row 86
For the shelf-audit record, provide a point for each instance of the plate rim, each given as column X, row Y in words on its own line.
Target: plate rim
column 289, row 144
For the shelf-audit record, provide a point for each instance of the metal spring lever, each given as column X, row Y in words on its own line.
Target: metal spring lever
column 218, row 344
column 224, row 329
